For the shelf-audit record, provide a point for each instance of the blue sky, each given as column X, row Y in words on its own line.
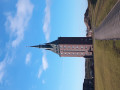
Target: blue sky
column 31, row 22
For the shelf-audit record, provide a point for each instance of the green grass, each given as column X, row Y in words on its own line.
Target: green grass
column 107, row 65
column 98, row 11
column 106, row 53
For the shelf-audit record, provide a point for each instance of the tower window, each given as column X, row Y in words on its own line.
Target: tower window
column 68, row 46
column 72, row 46
column 77, row 47
column 81, row 47
column 64, row 46
column 81, row 53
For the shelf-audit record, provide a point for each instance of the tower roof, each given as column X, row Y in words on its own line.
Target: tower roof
column 75, row 40
column 42, row 46
column 48, row 46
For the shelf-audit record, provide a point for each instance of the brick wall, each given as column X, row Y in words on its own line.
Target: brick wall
column 75, row 50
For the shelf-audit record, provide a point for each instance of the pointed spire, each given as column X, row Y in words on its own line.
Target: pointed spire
column 36, row 46
column 42, row 46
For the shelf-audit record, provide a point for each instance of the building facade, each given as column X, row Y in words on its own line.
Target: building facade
column 70, row 47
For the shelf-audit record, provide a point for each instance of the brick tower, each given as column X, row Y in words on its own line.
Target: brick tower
column 70, row 47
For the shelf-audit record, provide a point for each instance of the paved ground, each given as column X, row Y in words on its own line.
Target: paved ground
column 110, row 27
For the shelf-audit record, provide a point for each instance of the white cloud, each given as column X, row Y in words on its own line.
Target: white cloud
column 3, row 64
column 46, row 28
column 40, row 72
column 1, row 76
column 17, row 23
column 2, row 71
column 28, row 57
column 16, row 26
column 44, row 65
column 44, row 61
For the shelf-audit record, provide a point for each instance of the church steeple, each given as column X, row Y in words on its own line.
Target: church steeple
column 47, row 47
column 52, row 46
column 70, row 46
